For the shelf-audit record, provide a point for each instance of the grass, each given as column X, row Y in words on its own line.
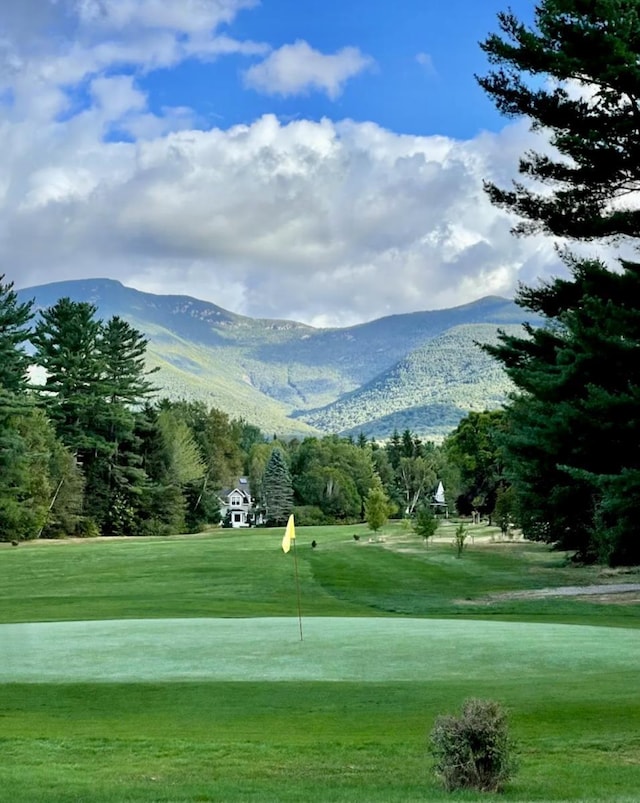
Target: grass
column 104, row 712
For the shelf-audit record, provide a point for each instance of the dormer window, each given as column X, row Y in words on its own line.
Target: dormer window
column 236, row 500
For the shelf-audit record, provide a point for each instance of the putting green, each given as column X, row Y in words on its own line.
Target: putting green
column 333, row 649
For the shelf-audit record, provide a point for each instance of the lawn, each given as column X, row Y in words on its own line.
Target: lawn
column 173, row 670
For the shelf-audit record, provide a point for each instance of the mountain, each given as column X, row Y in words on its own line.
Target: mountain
column 435, row 382
column 420, row 370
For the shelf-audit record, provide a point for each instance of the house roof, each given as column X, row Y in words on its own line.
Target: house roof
column 241, row 486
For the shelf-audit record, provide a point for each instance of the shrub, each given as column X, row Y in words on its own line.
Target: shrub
column 460, row 538
column 425, row 523
column 87, row 528
column 309, row 515
column 473, row 751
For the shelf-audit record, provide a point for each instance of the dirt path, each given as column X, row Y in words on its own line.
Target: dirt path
column 600, row 590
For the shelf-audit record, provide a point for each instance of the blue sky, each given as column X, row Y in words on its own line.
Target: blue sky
column 322, row 162
column 424, row 56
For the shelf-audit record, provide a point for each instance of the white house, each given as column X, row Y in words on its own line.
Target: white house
column 238, row 503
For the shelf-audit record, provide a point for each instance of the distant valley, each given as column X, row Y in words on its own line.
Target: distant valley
column 421, row 370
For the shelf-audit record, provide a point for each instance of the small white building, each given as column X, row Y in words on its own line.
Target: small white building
column 237, row 502
column 439, row 503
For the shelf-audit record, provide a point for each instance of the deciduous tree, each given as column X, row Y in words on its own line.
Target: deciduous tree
column 378, row 508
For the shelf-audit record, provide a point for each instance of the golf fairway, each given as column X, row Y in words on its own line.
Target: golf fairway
column 332, row 649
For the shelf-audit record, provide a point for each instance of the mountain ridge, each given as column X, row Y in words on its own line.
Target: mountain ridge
column 294, row 379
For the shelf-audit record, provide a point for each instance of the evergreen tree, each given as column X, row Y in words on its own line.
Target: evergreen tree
column 66, row 346
column 277, row 488
column 394, row 448
column 122, row 350
column 571, row 431
column 19, row 519
column 14, row 333
column 584, row 90
column 19, row 516
column 116, row 477
column 160, row 507
column 96, row 382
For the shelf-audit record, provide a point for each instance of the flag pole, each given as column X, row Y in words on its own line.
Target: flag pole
column 295, row 564
column 288, row 541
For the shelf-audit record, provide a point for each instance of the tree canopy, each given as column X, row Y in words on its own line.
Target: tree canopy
column 570, row 434
column 576, row 76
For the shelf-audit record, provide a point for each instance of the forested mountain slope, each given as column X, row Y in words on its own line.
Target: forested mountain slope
column 290, row 378
column 430, row 389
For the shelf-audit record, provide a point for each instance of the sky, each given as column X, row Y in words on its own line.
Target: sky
column 321, row 162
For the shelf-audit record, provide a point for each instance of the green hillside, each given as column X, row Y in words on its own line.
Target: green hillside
column 429, row 391
column 420, row 370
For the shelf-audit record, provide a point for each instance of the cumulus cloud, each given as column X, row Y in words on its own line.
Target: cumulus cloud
column 298, row 69
column 326, row 222
column 323, row 222
column 61, row 42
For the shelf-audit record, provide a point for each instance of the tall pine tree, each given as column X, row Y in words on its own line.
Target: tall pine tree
column 66, row 346
column 576, row 76
column 277, row 488
column 571, row 432
column 117, row 477
column 15, row 319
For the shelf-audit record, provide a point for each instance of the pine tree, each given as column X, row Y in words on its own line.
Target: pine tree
column 20, row 516
column 572, row 430
column 117, row 477
column 160, row 505
column 66, row 346
column 277, row 488
column 575, row 75
column 14, row 334
column 122, row 350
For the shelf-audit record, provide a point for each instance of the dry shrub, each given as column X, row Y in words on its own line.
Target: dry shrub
column 473, row 750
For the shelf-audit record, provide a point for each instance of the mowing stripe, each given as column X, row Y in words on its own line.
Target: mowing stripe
column 334, row 649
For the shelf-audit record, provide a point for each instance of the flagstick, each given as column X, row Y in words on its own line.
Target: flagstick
column 295, row 564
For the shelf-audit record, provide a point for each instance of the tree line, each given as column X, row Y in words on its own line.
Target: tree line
column 92, row 450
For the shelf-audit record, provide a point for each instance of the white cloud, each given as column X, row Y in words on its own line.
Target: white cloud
column 189, row 16
column 325, row 222
column 298, row 69
column 92, row 36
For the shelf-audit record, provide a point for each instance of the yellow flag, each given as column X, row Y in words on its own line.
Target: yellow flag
column 289, row 535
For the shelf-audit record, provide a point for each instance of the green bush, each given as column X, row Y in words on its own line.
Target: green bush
column 473, row 751
column 87, row 528
column 425, row 523
column 309, row 516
